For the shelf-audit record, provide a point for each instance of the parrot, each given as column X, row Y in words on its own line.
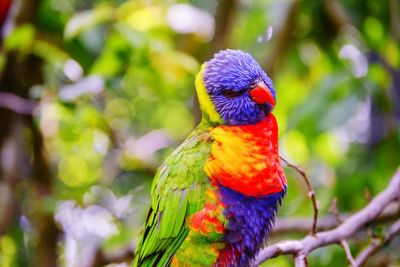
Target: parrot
column 215, row 198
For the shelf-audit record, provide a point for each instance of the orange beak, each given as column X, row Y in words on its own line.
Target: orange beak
column 261, row 94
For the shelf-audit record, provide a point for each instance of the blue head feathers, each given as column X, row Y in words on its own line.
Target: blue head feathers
column 240, row 90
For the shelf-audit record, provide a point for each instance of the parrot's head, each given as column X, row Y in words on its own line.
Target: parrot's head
column 234, row 90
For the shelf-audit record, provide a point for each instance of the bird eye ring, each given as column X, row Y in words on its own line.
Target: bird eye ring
column 253, row 84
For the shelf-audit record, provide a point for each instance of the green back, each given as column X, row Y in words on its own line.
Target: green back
column 177, row 192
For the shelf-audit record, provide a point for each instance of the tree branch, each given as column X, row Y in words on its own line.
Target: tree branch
column 394, row 19
column 17, row 104
column 224, row 18
column 356, row 222
column 284, row 39
column 311, row 193
column 375, row 245
column 17, row 77
column 303, row 225
column 349, row 257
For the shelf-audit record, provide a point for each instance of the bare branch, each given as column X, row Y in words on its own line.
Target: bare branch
column 17, row 76
column 336, row 14
column 376, row 244
column 292, row 247
column 335, row 211
column 17, row 104
column 284, row 39
column 350, row 226
column 394, row 19
column 300, row 261
column 368, row 251
column 303, row 225
column 311, row 192
column 224, row 17
column 349, row 257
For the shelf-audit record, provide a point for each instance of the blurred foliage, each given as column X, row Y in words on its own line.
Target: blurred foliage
column 118, row 97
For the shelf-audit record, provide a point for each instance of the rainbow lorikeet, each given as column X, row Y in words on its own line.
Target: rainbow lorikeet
column 215, row 198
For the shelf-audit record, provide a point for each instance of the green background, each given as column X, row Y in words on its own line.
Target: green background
column 116, row 96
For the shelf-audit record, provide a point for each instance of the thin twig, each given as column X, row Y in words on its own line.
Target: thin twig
column 346, row 248
column 376, row 244
column 311, row 192
column 334, row 210
column 367, row 194
column 352, row 225
column 328, row 222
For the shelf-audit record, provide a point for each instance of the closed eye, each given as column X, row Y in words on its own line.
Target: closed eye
column 253, row 84
column 231, row 94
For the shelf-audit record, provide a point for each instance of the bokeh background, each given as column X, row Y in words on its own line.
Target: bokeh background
column 95, row 94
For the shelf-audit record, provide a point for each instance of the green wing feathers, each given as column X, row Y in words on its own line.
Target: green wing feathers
column 177, row 192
